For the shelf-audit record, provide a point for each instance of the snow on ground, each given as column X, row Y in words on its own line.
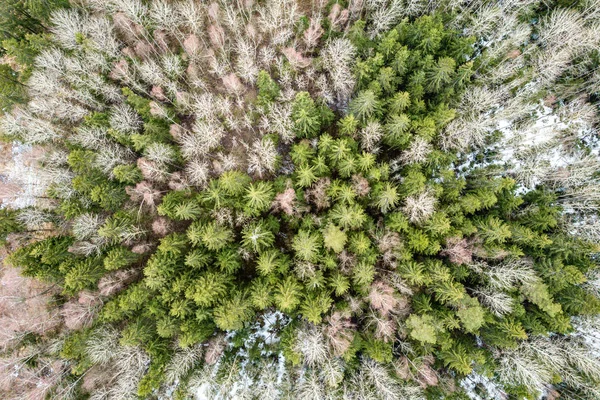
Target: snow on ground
column 263, row 332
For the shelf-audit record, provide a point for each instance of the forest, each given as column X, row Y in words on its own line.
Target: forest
column 299, row 199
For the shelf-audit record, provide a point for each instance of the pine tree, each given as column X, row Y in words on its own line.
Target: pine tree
column 119, row 257
column 441, row 74
column 261, row 294
column 305, row 176
column 269, row 262
column 363, row 274
column 422, row 328
column 83, row 275
column 366, row 106
column 334, row 238
column 307, row 245
column 232, row 313
column 386, row 197
column 259, row 197
column 234, row 182
column 215, row 236
column 128, row 174
column 314, row 305
column 208, row 289
column 287, row 295
column 348, row 216
column 305, row 115
column 9, row 223
column 257, row 237
column 268, row 90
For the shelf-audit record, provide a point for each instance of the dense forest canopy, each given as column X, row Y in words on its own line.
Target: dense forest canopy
column 361, row 199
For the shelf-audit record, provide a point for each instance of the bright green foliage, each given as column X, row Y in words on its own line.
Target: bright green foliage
column 215, row 236
column 13, row 91
column 334, row 238
column 305, row 116
column 270, row 262
column 257, row 237
column 261, row 295
column 119, row 257
column 188, row 210
column 83, row 275
column 8, row 223
column 458, row 359
column 422, row 328
column 472, row 318
column 363, row 274
column 233, row 182
column 46, row 259
column 129, row 174
column 366, row 106
column 305, row 176
column 314, row 306
column 307, row 245
column 348, row 125
column 287, row 295
column 268, row 90
column 259, row 197
column 208, row 289
column 231, row 314
column 386, row 197
column 348, row 216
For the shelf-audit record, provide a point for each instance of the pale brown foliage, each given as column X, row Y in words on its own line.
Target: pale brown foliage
column 157, row 110
column 385, row 328
column 129, row 29
column 143, row 49
column 381, row 297
column 116, row 281
column 177, row 181
column 176, row 131
column 346, row 260
column 339, row 332
column 427, row 376
column 95, row 377
column 317, row 194
column 389, row 241
column 162, row 226
column 21, row 381
column 141, row 248
column 296, row 58
column 144, row 193
column 161, row 39
column 458, row 250
column 232, row 83
column 360, row 185
column 216, row 34
column 79, row 313
column 285, row 201
column 402, row 368
column 150, row 169
column 216, row 347
column 338, row 16
column 158, row 93
column 129, row 52
column 390, row 244
column 120, row 70
column 313, row 33
column 192, row 45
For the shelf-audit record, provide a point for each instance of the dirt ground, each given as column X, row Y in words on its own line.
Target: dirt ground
column 7, row 190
